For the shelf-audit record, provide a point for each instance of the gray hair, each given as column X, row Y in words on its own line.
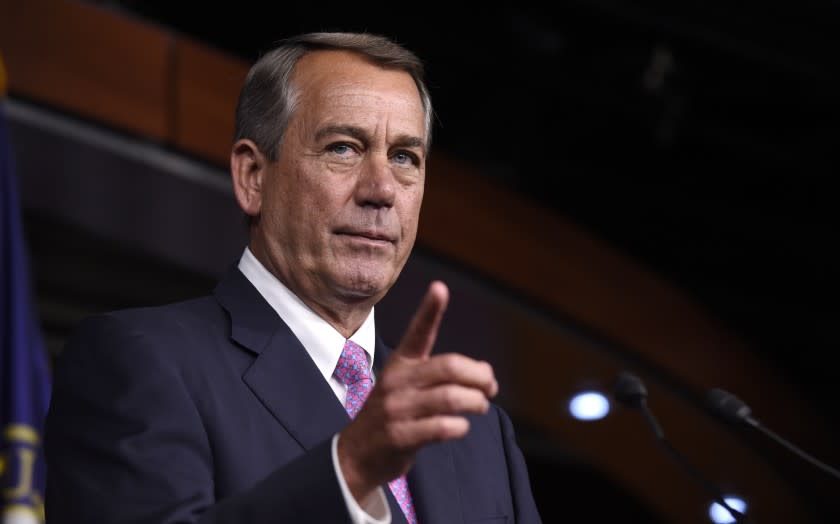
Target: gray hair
column 268, row 98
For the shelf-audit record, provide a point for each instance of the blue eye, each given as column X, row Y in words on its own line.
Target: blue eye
column 340, row 149
column 404, row 158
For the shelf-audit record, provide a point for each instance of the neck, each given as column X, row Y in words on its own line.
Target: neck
column 345, row 312
column 345, row 320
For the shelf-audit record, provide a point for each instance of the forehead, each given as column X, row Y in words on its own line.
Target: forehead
column 338, row 85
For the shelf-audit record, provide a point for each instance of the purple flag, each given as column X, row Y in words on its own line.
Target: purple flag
column 24, row 376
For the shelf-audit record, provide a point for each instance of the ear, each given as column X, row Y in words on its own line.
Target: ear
column 248, row 169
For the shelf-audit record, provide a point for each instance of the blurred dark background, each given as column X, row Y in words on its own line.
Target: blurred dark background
column 699, row 139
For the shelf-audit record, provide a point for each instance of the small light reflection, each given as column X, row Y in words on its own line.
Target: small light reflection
column 721, row 515
column 589, row 405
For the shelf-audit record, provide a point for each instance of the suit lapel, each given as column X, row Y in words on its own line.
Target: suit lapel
column 289, row 384
column 283, row 376
column 432, row 481
column 397, row 516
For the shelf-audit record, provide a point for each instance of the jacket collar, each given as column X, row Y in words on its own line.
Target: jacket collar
column 283, row 376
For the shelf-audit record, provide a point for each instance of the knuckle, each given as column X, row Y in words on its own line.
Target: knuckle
column 452, row 427
column 395, row 435
column 441, row 427
column 450, row 363
column 451, row 398
column 391, row 406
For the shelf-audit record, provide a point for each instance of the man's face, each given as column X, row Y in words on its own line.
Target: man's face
column 340, row 206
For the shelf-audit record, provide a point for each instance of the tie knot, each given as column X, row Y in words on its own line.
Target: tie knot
column 352, row 364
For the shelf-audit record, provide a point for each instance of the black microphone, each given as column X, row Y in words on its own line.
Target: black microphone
column 734, row 410
column 629, row 390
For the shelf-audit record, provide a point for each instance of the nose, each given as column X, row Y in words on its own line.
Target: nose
column 376, row 186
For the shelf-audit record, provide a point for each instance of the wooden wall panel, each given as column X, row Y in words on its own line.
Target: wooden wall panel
column 207, row 84
column 82, row 59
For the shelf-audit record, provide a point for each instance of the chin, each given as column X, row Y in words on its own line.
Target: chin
column 363, row 285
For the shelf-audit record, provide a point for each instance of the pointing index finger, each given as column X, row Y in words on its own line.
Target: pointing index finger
column 419, row 338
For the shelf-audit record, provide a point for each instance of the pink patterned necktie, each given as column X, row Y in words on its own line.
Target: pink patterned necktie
column 352, row 371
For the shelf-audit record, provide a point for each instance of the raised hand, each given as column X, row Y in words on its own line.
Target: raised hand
column 418, row 399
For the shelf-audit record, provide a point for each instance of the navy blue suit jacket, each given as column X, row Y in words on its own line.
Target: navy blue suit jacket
column 211, row 411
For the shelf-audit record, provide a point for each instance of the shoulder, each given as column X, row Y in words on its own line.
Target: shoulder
column 165, row 319
column 146, row 333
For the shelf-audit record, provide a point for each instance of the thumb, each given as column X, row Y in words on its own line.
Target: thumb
column 419, row 338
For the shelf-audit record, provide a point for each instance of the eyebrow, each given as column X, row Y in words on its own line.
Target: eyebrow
column 363, row 136
column 410, row 141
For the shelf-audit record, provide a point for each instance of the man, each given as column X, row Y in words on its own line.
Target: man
column 224, row 408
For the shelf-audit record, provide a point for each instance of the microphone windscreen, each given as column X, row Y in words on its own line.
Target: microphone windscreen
column 728, row 406
column 629, row 390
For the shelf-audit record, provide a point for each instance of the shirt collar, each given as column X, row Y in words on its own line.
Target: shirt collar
column 319, row 338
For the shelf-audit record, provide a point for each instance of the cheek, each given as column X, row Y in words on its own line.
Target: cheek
column 325, row 187
column 410, row 210
column 302, row 196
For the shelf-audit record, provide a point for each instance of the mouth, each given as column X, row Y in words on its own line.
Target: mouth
column 373, row 237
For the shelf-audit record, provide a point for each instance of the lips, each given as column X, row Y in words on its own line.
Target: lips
column 376, row 236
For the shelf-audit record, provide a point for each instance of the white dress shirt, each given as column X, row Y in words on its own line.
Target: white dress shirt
column 324, row 345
